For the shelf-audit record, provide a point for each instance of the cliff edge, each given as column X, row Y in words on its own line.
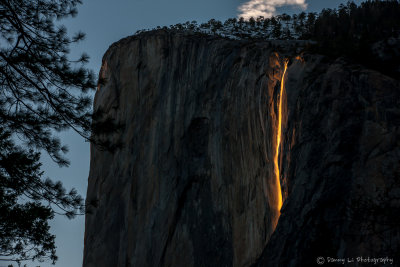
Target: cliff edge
column 194, row 183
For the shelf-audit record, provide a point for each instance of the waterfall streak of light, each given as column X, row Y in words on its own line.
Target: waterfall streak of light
column 278, row 143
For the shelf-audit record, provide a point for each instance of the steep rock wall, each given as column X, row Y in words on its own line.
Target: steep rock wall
column 193, row 184
column 340, row 160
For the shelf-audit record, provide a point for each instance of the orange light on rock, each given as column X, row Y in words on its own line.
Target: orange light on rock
column 278, row 143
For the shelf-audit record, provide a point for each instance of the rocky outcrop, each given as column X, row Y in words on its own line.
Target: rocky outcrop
column 193, row 184
column 341, row 162
column 190, row 186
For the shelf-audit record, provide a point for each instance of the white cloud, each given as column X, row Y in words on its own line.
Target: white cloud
column 266, row 8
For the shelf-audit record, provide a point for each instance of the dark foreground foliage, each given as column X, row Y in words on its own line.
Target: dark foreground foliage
column 42, row 92
column 27, row 204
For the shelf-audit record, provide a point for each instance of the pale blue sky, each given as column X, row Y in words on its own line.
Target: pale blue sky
column 105, row 22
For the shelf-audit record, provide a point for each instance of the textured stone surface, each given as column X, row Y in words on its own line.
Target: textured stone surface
column 341, row 164
column 193, row 184
column 190, row 186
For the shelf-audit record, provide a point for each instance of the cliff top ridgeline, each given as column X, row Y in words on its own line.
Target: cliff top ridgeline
column 241, row 152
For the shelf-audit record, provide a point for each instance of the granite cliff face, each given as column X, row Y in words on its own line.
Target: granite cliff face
column 194, row 184
column 341, row 160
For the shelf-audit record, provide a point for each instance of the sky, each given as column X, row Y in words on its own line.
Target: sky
column 106, row 22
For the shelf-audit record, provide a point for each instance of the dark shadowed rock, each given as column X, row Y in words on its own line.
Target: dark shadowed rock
column 190, row 185
column 340, row 161
column 193, row 184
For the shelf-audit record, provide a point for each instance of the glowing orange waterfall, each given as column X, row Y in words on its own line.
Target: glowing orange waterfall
column 278, row 143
